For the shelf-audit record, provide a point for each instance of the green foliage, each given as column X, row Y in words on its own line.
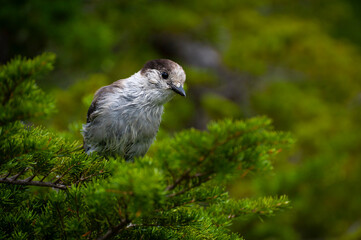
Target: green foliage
column 21, row 99
column 51, row 189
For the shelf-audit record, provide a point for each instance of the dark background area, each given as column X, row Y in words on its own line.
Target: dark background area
column 297, row 62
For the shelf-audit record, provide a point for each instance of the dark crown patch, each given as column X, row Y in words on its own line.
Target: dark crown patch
column 162, row 65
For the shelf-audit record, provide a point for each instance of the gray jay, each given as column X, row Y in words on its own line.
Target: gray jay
column 124, row 117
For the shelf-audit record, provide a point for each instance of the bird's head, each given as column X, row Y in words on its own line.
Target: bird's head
column 166, row 75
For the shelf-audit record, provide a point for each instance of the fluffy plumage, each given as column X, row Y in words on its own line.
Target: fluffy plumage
column 124, row 117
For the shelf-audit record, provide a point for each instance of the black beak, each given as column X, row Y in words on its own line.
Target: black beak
column 178, row 90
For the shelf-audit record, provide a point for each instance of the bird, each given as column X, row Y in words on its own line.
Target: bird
column 124, row 117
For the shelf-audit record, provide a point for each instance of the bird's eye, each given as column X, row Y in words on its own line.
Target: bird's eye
column 164, row 75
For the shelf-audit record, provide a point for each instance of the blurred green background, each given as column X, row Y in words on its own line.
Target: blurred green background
column 296, row 61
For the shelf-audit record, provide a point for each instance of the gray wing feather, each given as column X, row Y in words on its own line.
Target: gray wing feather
column 100, row 94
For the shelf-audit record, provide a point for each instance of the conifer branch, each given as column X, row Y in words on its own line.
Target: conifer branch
column 6, row 175
column 45, row 176
column 18, row 175
column 195, row 201
column 61, row 220
column 7, row 94
column 33, row 183
column 88, row 177
column 185, row 175
column 66, row 172
column 28, row 181
column 114, row 230
column 179, row 180
column 30, row 178
column 191, row 187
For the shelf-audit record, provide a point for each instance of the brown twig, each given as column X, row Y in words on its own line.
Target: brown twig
column 61, row 221
column 66, row 172
column 7, row 175
column 195, row 201
column 180, row 179
column 34, row 183
column 187, row 189
column 185, row 175
column 45, row 176
column 30, row 178
column 19, row 174
column 114, row 230
column 87, row 177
